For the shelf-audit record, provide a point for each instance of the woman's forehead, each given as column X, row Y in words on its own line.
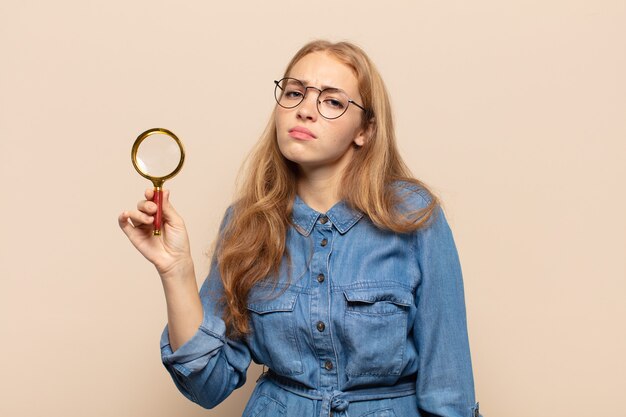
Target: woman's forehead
column 320, row 69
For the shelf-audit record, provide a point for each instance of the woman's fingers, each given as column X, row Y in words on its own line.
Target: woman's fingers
column 147, row 207
column 137, row 218
column 128, row 226
column 125, row 225
column 150, row 207
column 146, row 211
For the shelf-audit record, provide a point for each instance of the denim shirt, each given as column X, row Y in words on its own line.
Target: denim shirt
column 363, row 321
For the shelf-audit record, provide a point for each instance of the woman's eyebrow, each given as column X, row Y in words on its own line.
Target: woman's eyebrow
column 323, row 87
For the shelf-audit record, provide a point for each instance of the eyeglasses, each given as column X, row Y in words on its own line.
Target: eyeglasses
column 331, row 102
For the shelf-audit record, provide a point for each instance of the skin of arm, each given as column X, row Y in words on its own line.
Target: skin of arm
column 184, row 308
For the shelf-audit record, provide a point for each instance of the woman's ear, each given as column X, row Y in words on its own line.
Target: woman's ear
column 365, row 134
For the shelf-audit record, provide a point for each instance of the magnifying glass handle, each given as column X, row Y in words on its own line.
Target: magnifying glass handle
column 158, row 200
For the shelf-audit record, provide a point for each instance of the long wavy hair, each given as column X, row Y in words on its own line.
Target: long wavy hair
column 252, row 244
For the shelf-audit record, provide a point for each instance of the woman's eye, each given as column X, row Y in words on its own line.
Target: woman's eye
column 334, row 103
column 293, row 94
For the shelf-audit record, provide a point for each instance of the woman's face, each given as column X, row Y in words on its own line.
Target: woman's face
column 329, row 143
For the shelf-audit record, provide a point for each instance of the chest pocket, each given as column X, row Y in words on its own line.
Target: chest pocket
column 274, row 333
column 375, row 325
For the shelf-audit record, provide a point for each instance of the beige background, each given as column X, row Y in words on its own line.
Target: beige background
column 514, row 111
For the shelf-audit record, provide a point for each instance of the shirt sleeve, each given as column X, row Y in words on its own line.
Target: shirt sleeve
column 209, row 366
column 445, row 384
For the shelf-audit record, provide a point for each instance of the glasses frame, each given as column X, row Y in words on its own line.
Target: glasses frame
column 317, row 102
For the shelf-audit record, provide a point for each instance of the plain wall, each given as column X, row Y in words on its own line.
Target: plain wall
column 514, row 112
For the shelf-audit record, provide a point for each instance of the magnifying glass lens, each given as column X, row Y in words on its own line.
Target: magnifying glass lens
column 158, row 155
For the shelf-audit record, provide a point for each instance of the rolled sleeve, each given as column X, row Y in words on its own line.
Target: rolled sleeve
column 196, row 352
column 445, row 384
column 209, row 366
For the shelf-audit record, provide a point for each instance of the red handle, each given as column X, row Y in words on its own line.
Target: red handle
column 158, row 199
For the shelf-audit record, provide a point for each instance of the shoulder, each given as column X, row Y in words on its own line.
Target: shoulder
column 415, row 205
column 226, row 217
column 413, row 195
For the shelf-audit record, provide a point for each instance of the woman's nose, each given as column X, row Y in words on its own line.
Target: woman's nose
column 308, row 107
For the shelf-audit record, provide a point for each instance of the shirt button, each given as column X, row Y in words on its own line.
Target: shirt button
column 328, row 365
column 320, row 278
column 320, row 326
column 324, row 242
column 323, row 219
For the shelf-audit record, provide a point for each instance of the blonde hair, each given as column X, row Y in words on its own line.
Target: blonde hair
column 253, row 243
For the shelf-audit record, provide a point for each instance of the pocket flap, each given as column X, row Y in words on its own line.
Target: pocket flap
column 393, row 295
column 284, row 302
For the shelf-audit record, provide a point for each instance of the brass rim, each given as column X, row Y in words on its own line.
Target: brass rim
column 157, row 181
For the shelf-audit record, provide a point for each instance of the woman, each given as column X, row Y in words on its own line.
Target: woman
column 333, row 267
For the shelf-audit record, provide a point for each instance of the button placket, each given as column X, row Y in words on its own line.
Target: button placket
column 322, row 238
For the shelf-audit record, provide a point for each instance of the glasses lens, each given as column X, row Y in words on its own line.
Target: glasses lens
column 289, row 92
column 332, row 103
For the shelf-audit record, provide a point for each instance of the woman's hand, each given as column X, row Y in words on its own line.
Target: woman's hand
column 169, row 252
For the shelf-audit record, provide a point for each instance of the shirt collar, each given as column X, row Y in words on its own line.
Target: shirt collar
column 341, row 215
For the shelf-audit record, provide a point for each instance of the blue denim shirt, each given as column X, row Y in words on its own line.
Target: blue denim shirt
column 365, row 322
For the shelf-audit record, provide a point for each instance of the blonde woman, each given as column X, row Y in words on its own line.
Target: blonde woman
column 333, row 267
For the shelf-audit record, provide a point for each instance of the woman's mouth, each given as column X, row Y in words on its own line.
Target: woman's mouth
column 301, row 133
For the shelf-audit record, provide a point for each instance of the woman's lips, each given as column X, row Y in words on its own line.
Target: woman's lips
column 301, row 133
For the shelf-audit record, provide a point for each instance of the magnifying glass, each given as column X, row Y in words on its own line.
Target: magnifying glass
column 157, row 155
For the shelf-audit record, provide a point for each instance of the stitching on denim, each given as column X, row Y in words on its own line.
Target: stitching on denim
column 391, row 372
column 311, row 222
column 374, row 313
column 213, row 334
column 343, row 227
column 375, row 412
column 329, row 291
column 366, row 285
column 376, row 297
column 295, row 339
column 414, row 188
column 294, row 336
column 281, row 405
column 415, row 272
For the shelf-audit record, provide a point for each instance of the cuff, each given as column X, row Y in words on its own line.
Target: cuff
column 194, row 354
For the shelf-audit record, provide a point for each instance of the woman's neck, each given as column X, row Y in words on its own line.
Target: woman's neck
column 318, row 185
column 319, row 191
